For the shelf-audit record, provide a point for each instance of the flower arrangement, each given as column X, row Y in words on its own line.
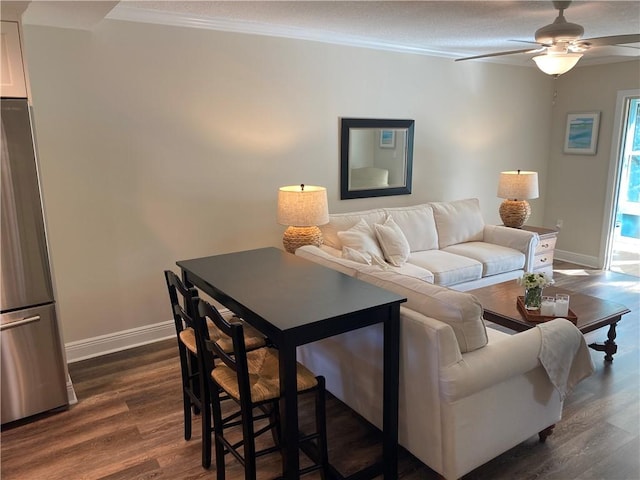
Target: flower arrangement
column 535, row 280
column 533, row 284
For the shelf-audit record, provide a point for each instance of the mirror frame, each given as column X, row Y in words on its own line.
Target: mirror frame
column 373, row 123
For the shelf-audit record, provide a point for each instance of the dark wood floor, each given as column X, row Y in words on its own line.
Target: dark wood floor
column 128, row 422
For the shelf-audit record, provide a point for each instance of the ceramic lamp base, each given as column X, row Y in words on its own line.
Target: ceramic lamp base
column 514, row 213
column 296, row 237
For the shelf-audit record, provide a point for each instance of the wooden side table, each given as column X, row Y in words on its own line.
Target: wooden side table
column 543, row 261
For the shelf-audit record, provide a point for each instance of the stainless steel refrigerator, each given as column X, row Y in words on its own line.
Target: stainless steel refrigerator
column 33, row 373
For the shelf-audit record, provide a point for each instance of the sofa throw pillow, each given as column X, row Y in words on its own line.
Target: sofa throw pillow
column 338, row 222
column 361, row 238
column 458, row 221
column 356, row 255
column 393, row 242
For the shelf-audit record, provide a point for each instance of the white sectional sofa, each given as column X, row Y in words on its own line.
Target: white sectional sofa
column 467, row 393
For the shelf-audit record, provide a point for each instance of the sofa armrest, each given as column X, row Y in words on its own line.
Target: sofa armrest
column 521, row 240
column 498, row 361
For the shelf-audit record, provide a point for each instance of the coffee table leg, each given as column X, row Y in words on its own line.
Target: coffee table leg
column 609, row 347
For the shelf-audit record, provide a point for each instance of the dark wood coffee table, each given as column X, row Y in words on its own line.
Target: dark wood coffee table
column 499, row 303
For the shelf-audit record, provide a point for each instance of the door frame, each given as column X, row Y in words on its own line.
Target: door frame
column 615, row 170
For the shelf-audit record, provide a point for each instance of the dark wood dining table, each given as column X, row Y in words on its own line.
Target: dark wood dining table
column 294, row 301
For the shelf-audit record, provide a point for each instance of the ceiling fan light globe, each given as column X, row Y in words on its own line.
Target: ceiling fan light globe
column 557, row 64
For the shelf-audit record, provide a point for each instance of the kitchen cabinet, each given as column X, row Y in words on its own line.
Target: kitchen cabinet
column 12, row 77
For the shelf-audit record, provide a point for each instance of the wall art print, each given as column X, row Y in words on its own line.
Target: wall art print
column 581, row 137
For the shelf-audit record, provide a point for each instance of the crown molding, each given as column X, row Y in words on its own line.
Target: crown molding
column 142, row 15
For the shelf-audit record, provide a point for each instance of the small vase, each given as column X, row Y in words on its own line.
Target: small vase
column 532, row 298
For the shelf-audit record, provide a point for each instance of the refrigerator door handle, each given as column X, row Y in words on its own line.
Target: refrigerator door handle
column 24, row 321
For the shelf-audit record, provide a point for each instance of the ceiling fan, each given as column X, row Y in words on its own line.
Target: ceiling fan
column 560, row 44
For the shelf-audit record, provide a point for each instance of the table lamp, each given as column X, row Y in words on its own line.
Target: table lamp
column 302, row 208
column 516, row 187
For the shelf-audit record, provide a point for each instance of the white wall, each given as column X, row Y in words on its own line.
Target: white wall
column 163, row 143
column 577, row 184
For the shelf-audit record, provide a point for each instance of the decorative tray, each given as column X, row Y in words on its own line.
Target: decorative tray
column 535, row 317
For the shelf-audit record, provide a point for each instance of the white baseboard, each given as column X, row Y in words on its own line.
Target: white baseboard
column 123, row 340
column 71, row 393
column 585, row 260
column 117, row 341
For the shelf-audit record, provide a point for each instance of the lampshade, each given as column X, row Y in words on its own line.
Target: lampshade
column 557, row 63
column 518, row 185
column 303, row 208
column 515, row 187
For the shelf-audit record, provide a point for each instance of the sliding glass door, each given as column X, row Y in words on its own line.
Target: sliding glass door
column 625, row 242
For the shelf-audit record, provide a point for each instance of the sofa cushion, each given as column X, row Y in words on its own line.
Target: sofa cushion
column 392, row 241
column 462, row 311
column 418, row 226
column 495, row 259
column 360, row 237
column 447, row 268
column 414, row 271
column 328, row 257
column 327, row 254
column 458, row 221
column 344, row 221
column 332, row 258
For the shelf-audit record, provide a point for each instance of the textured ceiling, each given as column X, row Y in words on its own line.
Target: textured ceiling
column 450, row 28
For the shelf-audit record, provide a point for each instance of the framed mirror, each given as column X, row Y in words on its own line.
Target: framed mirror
column 376, row 157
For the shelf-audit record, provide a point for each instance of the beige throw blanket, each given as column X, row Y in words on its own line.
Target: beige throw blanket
column 564, row 354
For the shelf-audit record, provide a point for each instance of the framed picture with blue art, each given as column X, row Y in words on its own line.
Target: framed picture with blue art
column 581, row 137
column 387, row 138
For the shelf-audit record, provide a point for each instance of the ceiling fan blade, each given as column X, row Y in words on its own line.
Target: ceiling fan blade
column 497, row 54
column 612, row 40
column 531, row 42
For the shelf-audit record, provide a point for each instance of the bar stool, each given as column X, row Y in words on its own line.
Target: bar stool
column 180, row 295
column 252, row 380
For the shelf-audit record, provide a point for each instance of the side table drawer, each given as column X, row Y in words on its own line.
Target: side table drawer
column 546, row 245
column 543, row 260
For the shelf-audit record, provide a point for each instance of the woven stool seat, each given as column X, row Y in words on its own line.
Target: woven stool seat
column 252, row 338
column 193, row 398
column 251, row 379
column 264, row 380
